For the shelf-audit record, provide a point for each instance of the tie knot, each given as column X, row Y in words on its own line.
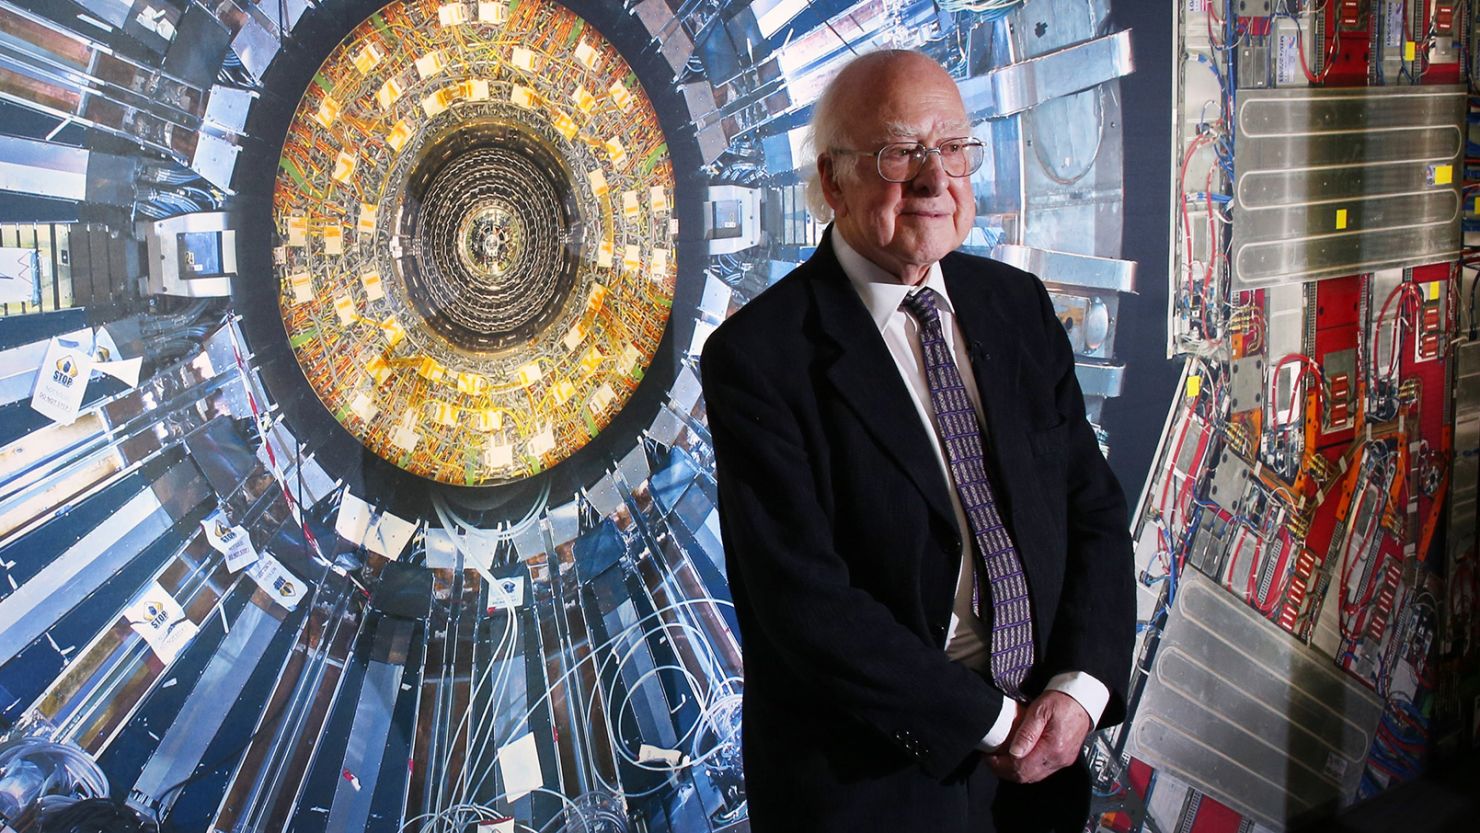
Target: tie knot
column 921, row 304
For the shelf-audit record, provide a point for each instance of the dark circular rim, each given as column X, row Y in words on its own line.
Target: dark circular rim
column 340, row 452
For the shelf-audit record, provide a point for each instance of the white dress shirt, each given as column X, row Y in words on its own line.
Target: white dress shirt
column 968, row 640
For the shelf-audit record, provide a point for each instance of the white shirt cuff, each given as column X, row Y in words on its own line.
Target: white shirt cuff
column 1089, row 692
column 997, row 735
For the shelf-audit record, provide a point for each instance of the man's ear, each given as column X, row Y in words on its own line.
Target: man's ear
column 827, row 173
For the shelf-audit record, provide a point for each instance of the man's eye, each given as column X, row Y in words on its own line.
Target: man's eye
column 900, row 152
column 953, row 147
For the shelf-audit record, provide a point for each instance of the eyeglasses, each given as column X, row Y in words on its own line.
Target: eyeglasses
column 901, row 161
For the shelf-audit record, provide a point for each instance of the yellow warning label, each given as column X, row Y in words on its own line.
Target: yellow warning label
column 1443, row 174
column 1340, row 218
column 1410, row 50
column 1194, row 386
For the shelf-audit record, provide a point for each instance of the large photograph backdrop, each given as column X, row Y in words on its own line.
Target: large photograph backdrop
column 354, row 469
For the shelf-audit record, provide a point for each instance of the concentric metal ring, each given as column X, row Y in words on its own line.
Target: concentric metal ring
column 488, row 214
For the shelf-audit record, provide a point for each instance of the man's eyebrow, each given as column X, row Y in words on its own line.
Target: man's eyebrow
column 900, row 130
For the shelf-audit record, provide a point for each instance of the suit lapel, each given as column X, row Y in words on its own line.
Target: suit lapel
column 989, row 339
column 865, row 377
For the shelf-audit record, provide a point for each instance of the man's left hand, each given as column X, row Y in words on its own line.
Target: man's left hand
column 1048, row 737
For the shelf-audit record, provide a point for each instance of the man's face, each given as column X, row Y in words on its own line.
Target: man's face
column 902, row 226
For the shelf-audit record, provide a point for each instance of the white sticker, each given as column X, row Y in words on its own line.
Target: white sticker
column 105, row 349
column 275, row 580
column 1392, row 33
column 108, row 359
column 157, row 617
column 519, row 763
column 232, row 541
column 1286, row 59
column 62, row 380
column 20, row 276
column 126, row 371
column 506, row 593
column 657, row 755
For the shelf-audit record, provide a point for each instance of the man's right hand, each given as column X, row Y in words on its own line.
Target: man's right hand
column 1048, row 736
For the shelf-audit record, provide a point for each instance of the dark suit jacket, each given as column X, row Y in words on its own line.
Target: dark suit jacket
column 842, row 553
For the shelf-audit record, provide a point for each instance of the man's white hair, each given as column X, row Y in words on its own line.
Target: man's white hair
column 829, row 130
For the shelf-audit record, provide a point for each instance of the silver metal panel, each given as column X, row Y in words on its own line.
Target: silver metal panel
column 1340, row 181
column 215, row 159
column 715, row 302
column 529, row 541
column 70, row 577
column 17, row 387
column 257, row 43
column 166, row 275
column 41, row 168
column 441, row 552
column 316, row 481
column 634, row 466
column 1027, row 84
column 565, row 522
column 699, row 96
column 1068, row 269
column 1248, row 714
column 677, row 48
column 713, row 140
column 367, row 739
column 1100, row 379
column 1462, row 504
column 666, row 427
column 656, row 17
column 685, row 390
column 110, row 11
column 1230, row 481
column 192, row 730
column 1246, row 386
column 604, row 497
column 228, row 106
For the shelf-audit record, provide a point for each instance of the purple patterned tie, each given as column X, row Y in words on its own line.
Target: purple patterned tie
column 1012, row 621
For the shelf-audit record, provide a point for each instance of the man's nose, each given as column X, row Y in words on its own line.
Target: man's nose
column 932, row 177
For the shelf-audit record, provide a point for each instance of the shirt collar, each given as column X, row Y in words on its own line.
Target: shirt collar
column 879, row 290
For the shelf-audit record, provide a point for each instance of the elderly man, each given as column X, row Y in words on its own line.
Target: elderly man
column 929, row 556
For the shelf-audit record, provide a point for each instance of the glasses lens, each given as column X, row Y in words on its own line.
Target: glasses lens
column 961, row 157
column 900, row 162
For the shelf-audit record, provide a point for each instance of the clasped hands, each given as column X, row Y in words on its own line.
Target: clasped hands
column 1046, row 737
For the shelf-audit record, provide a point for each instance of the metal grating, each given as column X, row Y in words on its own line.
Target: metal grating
column 1250, row 715
column 1335, row 182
